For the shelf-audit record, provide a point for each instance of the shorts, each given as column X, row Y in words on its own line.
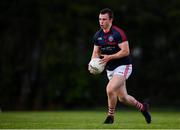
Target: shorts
column 123, row 70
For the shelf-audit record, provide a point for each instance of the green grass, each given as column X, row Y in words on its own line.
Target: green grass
column 87, row 120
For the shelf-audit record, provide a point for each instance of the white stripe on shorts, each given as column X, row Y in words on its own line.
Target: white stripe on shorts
column 123, row 70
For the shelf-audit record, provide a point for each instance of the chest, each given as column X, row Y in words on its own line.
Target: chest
column 109, row 43
column 107, row 39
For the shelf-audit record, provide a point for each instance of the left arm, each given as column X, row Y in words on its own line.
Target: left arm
column 125, row 51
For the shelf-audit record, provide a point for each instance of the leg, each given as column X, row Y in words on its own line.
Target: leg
column 127, row 99
column 111, row 90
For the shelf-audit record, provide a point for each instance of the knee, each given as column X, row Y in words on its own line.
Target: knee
column 110, row 90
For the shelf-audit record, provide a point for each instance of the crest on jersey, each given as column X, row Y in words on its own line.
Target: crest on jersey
column 110, row 38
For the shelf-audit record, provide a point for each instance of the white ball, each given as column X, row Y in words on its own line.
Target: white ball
column 95, row 67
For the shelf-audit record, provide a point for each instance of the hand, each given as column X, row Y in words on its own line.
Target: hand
column 105, row 59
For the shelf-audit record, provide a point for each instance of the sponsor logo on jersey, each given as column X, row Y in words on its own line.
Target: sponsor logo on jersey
column 99, row 38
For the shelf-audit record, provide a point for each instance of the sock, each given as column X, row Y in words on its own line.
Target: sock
column 111, row 111
column 139, row 106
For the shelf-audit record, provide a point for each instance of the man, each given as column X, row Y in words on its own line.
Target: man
column 111, row 45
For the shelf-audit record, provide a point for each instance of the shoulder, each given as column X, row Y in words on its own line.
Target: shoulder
column 99, row 32
column 96, row 36
column 120, row 32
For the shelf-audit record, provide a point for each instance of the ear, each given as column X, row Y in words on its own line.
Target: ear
column 111, row 20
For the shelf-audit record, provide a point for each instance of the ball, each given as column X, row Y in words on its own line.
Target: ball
column 95, row 67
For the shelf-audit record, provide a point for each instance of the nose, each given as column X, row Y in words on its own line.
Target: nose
column 100, row 21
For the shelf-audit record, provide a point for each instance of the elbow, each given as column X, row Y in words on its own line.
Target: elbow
column 126, row 52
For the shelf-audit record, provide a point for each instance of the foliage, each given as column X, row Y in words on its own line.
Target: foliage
column 46, row 46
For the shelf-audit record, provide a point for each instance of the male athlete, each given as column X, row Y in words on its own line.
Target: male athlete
column 111, row 45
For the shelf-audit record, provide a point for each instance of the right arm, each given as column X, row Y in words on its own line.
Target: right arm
column 96, row 52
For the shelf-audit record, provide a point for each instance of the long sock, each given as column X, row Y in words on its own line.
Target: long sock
column 132, row 101
column 139, row 106
column 111, row 111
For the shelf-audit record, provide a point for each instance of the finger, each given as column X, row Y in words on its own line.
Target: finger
column 102, row 61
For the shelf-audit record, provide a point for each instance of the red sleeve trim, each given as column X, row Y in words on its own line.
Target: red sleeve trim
column 121, row 33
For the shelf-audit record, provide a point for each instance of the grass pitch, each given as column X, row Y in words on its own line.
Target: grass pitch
column 88, row 120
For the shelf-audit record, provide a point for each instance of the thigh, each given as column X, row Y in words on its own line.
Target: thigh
column 116, row 82
column 122, row 91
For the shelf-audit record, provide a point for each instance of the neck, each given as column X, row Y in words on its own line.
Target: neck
column 107, row 29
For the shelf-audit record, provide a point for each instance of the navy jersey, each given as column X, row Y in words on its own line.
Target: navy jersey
column 108, row 43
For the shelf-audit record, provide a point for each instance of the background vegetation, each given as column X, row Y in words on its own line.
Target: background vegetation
column 46, row 46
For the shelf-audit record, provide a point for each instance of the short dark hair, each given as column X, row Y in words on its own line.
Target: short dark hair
column 107, row 11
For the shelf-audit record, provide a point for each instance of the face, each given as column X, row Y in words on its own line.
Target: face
column 104, row 21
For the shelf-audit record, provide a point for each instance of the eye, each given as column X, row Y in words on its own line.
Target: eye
column 103, row 19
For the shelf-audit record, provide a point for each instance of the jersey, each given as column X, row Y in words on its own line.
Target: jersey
column 109, row 44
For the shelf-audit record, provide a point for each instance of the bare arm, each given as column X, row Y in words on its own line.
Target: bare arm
column 124, row 46
column 96, row 52
column 123, row 52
